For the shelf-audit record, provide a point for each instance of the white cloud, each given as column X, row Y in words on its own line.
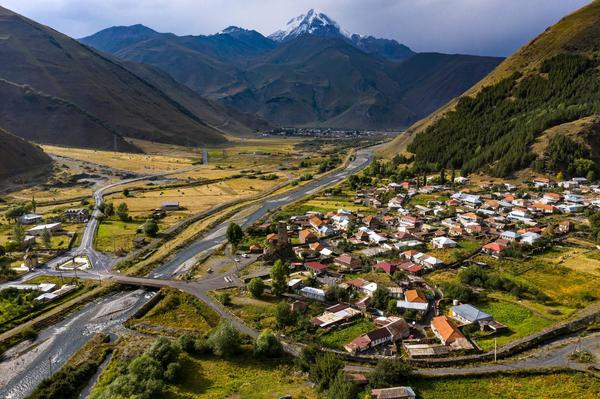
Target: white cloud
column 492, row 27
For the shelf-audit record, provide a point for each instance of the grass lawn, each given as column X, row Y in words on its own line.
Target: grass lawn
column 520, row 320
column 451, row 255
column 553, row 386
column 423, row 199
column 240, row 377
column 336, row 339
column 181, row 311
column 578, row 259
column 568, row 287
column 115, row 234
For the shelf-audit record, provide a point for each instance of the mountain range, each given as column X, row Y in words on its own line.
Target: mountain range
column 538, row 109
column 311, row 73
column 56, row 90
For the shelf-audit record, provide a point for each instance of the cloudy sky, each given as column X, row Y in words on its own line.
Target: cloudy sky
column 485, row 27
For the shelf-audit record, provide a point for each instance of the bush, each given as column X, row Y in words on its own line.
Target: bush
column 284, row 315
column 256, row 287
column 225, row 298
column 267, row 345
column 324, row 370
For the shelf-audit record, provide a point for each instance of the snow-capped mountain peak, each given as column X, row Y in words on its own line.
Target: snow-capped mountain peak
column 314, row 22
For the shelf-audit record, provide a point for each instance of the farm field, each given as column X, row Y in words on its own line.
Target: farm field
column 193, row 200
column 136, row 163
column 551, row 386
column 578, row 259
column 521, row 320
column 568, row 287
column 567, row 290
column 451, row 255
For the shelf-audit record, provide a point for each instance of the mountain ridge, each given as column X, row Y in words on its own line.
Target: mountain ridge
column 316, row 78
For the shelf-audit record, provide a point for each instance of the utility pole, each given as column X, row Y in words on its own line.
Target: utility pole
column 495, row 349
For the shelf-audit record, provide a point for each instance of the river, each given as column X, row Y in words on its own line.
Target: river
column 27, row 364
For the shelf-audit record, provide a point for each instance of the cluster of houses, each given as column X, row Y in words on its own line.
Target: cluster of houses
column 407, row 236
column 52, row 225
column 48, row 291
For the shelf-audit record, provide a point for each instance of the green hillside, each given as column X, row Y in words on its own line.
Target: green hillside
column 496, row 127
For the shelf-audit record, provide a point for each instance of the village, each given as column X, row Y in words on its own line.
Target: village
column 346, row 267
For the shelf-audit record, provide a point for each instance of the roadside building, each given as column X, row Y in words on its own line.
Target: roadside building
column 170, row 206
column 468, row 314
column 393, row 393
column 448, row 333
column 39, row 230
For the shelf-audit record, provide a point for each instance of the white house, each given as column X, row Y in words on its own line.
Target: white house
column 30, row 218
column 39, row 230
column 443, row 242
column 313, row 293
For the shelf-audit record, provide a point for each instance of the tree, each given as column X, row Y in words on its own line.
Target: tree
column 165, row 351
column 19, row 235
column 14, row 212
column 591, row 176
column 151, row 227
column 225, row 340
column 256, row 287
column 123, row 212
column 234, row 234
column 267, row 345
column 278, row 278
column 307, row 358
column 342, row 389
column 2, row 251
column 381, row 297
column 324, row 370
column 389, row 373
column 392, row 307
column 46, row 239
column 560, row 176
column 109, row 209
column 284, row 315
column 126, row 192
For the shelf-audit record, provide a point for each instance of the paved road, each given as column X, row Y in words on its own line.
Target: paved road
column 216, row 236
column 551, row 356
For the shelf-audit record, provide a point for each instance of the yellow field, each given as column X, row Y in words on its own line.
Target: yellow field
column 138, row 163
column 578, row 259
column 193, row 199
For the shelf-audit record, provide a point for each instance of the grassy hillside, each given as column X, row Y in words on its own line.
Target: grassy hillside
column 489, row 143
column 59, row 67
column 18, row 156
